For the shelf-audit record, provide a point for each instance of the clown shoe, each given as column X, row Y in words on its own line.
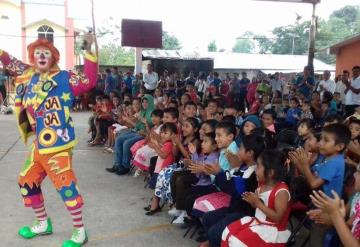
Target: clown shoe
column 37, row 228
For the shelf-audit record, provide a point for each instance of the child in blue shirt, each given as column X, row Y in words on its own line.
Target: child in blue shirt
column 328, row 173
column 293, row 114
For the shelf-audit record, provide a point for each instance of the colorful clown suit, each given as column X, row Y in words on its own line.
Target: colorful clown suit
column 58, row 167
column 42, row 107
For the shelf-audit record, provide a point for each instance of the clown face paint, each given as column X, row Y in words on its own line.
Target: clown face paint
column 43, row 59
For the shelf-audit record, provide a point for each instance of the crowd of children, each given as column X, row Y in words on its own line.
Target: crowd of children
column 237, row 174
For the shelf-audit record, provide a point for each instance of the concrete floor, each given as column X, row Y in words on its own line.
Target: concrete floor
column 113, row 212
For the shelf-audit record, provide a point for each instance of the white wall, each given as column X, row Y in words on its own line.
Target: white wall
column 11, row 26
column 52, row 10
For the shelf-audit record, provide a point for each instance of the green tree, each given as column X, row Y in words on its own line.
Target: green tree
column 294, row 39
column 291, row 39
column 112, row 54
column 244, row 44
column 350, row 15
column 170, row 42
column 212, row 46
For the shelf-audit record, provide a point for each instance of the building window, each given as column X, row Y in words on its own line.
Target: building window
column 46, row 32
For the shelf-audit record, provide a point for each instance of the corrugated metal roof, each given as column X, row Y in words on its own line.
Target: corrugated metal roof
column 265, row 62
column 174, row 54
column 230, row 60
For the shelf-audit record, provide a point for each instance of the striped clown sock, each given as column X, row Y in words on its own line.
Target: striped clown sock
column 40, row 212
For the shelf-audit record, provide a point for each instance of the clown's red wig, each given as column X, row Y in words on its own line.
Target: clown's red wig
column 45, row 43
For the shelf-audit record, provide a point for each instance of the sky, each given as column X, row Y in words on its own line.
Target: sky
column 197, row 22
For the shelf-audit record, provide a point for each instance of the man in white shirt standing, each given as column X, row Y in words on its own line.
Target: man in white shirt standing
column 276, row 83
column 326, row 84
column 150, row 80
column 352, row 92
column 340, row 86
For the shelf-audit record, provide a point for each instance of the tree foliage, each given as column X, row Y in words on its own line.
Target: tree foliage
column 350, row 15
column 212, row 46
column 170, row 42
column 113, row 54
column 294, row 39
column 244, row 44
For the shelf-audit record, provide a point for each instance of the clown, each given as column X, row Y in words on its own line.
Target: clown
column 43, row 100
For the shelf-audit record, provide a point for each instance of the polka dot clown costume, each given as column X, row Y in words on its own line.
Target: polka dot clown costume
column 43, row 100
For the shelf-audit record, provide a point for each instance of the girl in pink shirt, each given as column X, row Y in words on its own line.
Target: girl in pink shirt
column 165, row 158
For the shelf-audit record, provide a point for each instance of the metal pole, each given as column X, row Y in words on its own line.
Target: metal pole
column 138, row 60
column 312, row 35
column 94, row 30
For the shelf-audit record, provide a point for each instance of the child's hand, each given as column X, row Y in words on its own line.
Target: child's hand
column 150, row 144
column 151, row 134
column 176, row 140
column 212, row 169
column 143, row 120
column 327, row 204
column 125, row 118
column 233, row 159
column 300, row 158
column 192, row 148
column 187, row 162
column 349, row 161
column 319, row 217
column 251, row 198
column 196, row 168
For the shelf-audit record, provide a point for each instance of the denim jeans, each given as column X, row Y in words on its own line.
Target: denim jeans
column 123, row 144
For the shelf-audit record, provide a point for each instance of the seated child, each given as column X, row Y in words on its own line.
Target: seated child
column 115, row 112
column 271, row 203
column 165, row 155
column 163, row 189
column 143, row 153
column 211, row 109
column 305, row 127
column 158, row 97
column 234, row 182
column 103, row 118
column 339, row 104
column 293, row 113
column 328, row 172
column 265, row 104
column 190, row 110
column 268, row 119
column 234, row 110
column 250, row 123
column 225, row 134
column 181, row 150
column 207, row 127
column 306, row 110
column 96, row 109
column 192, row 183
column 333, row 211
column 352, row 157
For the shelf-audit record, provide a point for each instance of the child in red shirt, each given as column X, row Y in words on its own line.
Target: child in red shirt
column 101, row 122
column 165, row 158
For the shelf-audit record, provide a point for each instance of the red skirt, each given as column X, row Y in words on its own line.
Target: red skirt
column 248, row 231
